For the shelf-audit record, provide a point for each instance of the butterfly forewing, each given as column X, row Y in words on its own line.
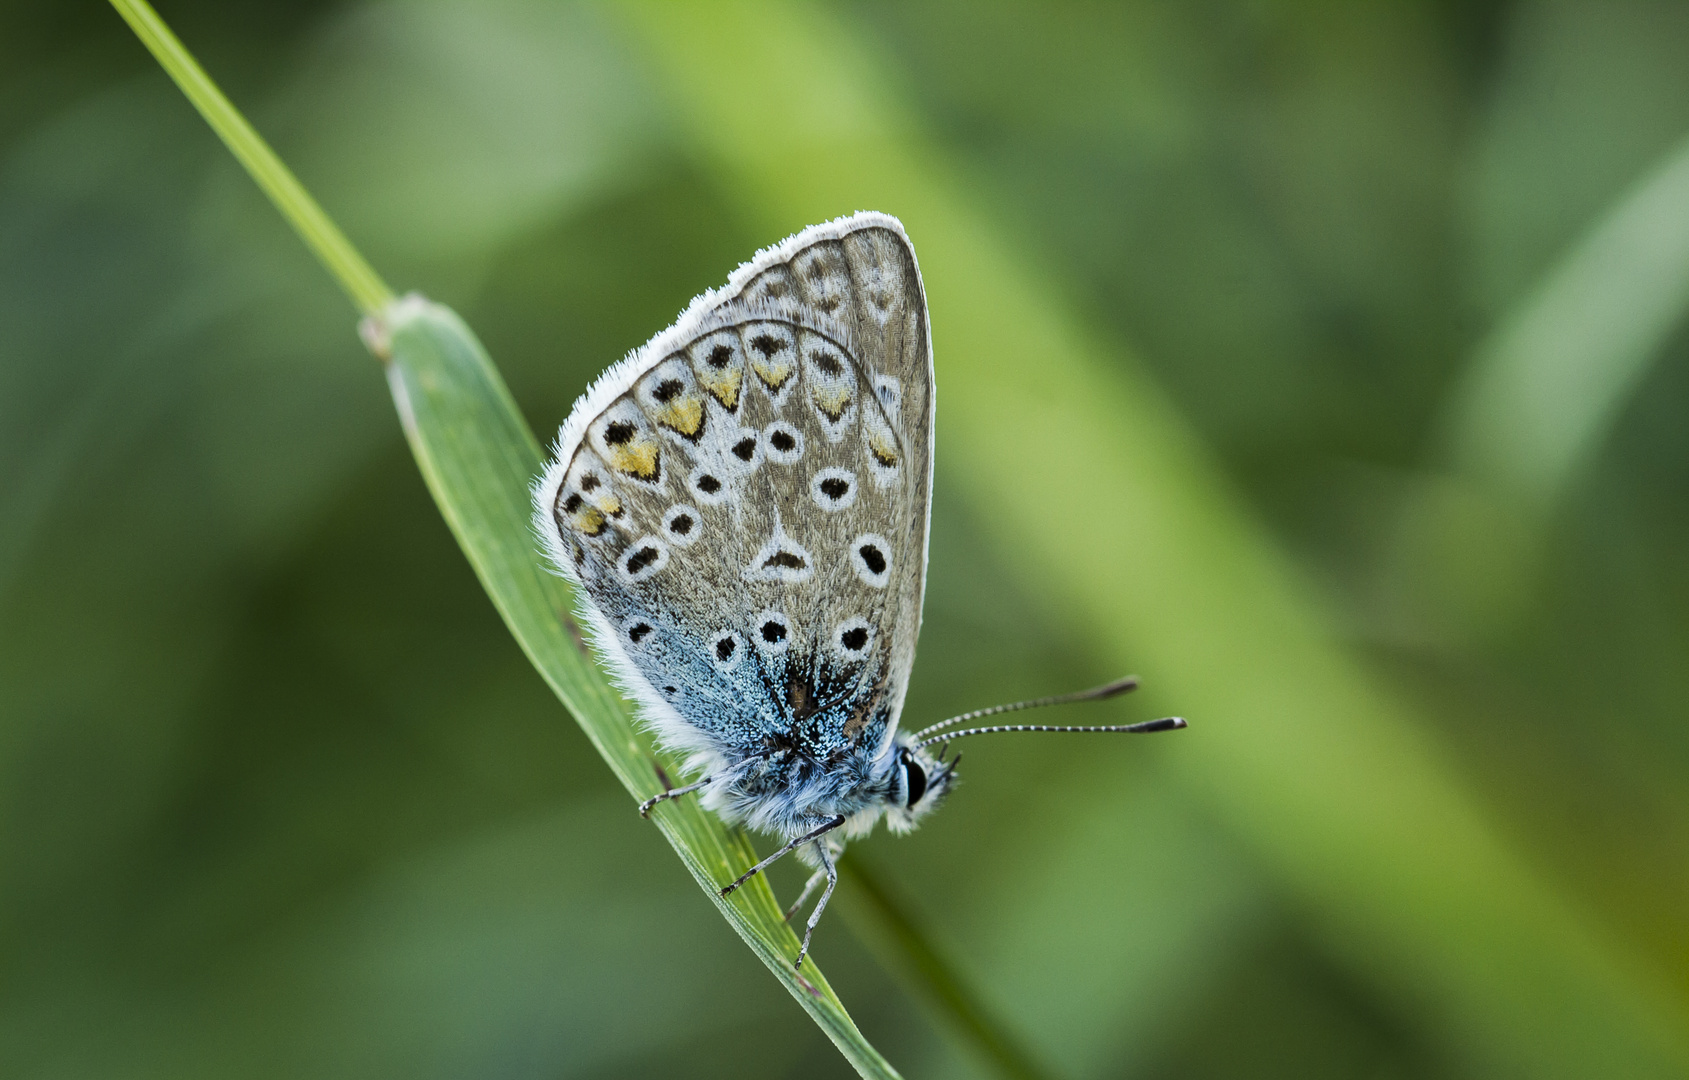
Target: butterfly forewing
column 744, row 501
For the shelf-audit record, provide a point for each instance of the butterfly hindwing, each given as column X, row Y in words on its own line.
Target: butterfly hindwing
column 743, row 502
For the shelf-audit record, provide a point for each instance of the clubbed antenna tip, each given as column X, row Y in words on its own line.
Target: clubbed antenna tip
column 1108, row 690
column 1166, row 723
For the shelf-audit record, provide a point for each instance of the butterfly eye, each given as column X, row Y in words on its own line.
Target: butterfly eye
column 914, row 781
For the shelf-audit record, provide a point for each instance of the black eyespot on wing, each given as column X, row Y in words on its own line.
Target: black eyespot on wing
column 827, row 362
column 773, row 631
column 618, row 433
column 638, row 633
column 724, row 649
column 791, row 560
column 589, row 482
column 719, row 356
column 873, row 558
column 682, row 525
column 854, row 639
column 640, row 559
column 708, row 484
column 571, row 504
column 667, row 389
column 782, row 442
column 767, row 344
column 745, row 449
column 671, row 691
column 835, row 487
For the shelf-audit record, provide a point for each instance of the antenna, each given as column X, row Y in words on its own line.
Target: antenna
column 1147, row 727
column 1096, row 693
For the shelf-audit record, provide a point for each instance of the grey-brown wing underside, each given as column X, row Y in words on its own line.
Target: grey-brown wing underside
column 749, row 514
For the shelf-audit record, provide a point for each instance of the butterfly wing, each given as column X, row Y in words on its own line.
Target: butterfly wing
column 743, row 502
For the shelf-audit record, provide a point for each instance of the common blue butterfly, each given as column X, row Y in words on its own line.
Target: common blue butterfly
column 743, row 506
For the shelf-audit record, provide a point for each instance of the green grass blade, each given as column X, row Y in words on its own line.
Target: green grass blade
column 313, row 225
column 1333, row 784
column 478, row 458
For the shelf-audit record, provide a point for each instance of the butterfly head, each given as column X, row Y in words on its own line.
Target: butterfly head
column 919, row 782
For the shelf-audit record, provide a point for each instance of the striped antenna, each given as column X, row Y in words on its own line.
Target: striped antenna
column 1166, row 723
column 1096, row 693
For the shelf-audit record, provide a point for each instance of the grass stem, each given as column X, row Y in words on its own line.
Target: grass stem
column 308, row 219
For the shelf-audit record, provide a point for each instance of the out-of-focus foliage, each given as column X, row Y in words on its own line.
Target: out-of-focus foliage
column 279, row 796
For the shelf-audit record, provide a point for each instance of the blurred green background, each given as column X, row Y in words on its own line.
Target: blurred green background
column 280, row 797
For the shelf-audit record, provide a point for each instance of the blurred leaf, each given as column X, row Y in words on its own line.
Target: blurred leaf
column 1578, row 102
column 484, row 121
column 884, row 917
column 506, row 952
column 478, row 457
column 1547, row 384
column 1332, row 783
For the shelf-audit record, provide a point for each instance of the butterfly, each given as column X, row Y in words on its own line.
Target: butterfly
column 743, row 506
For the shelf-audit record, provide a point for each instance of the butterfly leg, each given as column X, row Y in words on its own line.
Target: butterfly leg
column 645, row 807
column 809, row 887
column 830, row 824
column 821, row 904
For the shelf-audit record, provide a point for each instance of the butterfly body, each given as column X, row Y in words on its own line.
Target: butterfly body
column 743, row 504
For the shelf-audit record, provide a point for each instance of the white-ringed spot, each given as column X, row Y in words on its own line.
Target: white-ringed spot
column 782, row 443
column 642, row 559
column 870, row 557
column 707, row 484
column 852, row 638
column 780, row 559
column 744, row 451
column 683, row 524
column 833, row 488
column 726, row 649
column 771, row 631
